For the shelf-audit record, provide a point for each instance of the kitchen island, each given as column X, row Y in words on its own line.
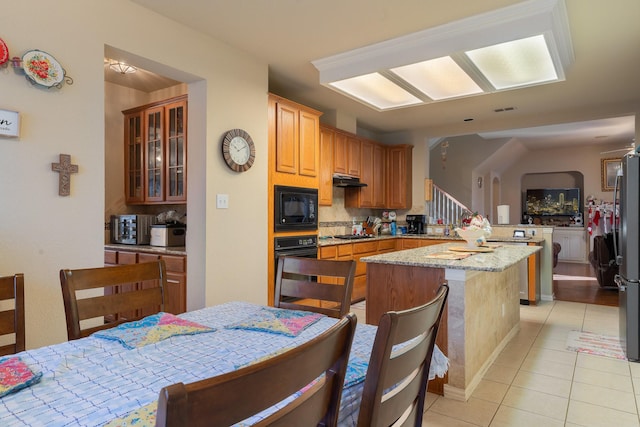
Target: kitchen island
column 483, row 309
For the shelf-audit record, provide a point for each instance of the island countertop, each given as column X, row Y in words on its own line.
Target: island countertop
column 501, row 258
column 330, row 240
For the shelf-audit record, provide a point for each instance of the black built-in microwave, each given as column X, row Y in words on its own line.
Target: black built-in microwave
column 296, row 208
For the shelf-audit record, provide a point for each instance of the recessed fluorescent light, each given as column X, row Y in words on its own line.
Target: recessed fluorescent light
column 439, row 78
column 487, row 47
column 376, row 90
column 516, row 63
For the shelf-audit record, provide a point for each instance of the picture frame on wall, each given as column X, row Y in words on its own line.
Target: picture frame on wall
column 9, row 123
column 608, row 171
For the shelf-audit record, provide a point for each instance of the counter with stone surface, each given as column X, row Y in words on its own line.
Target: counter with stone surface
column 483, row 308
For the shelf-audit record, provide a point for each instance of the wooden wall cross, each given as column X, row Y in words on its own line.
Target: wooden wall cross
column 65, row 169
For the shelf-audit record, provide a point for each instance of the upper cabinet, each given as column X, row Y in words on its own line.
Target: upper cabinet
column 373, row 167
column 346, row 154
column 325, row 187
column 297, row 138
column 399, row 179
column 156, row 152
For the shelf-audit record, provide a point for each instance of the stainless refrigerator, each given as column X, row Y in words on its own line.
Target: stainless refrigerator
column 626, row 243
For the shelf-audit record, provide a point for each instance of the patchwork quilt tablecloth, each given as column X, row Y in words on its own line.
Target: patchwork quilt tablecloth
column 96, row 381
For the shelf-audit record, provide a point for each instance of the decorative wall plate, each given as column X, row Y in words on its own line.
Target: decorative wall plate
column 4, row 52
column 42, row 69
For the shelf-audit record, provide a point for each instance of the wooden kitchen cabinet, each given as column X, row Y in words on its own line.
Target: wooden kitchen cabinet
column 297, row 139
column 155, row 142
column 176, row 268
column 399, row 177
column 340, row 152
column 293, row 159
column 373, row 168
column 386, row 169
column 354, row 157
column 414, row 243
column 360, row 250
column 379, row 176
column 419, row 243
column 325, row 186
column 346, row 155
column 387, row 245
column 328, row 252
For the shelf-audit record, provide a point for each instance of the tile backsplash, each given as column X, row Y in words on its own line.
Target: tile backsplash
column 337, row 219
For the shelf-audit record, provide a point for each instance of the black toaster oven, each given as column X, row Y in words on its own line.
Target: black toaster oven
column 132, row 229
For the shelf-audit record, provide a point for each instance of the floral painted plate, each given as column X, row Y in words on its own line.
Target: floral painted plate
column 42, row 68
column 4, row 52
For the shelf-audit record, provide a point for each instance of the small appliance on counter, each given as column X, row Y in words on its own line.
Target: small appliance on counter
column 132, row 229
column 171, row 234
column 415, row 224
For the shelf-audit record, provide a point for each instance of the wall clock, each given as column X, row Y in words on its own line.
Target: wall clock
column 238, row 150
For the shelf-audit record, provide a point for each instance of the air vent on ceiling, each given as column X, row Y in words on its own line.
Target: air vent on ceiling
column 500, row 110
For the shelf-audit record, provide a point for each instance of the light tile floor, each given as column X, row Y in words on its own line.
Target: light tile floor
column 536, row 381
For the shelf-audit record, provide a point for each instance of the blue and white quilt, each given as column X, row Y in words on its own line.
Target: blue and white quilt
column 95, row 381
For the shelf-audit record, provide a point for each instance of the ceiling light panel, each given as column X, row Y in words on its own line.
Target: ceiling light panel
column 461, row 46
column 376, row 90
column 439, row 78
column 516, row 63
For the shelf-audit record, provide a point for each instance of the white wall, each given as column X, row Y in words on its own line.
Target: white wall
column 41, row 232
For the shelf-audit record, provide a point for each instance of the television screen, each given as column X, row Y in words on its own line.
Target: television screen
column 553, row 201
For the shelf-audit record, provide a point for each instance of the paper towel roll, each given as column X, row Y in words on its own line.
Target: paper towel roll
column 503, row 214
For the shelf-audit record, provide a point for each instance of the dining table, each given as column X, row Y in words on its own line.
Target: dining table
column 113, row 377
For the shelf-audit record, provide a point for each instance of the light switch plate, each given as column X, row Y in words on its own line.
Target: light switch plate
column 222, row 201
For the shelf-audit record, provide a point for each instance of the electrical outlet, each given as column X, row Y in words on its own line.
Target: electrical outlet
column 532, row 232
column 222, row 201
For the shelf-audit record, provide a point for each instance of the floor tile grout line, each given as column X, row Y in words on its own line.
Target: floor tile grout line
column 510, row 385
column 557, row 315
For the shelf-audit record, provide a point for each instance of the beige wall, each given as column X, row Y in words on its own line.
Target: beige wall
column 585, row 161
column 469, row 157
column 42, row 232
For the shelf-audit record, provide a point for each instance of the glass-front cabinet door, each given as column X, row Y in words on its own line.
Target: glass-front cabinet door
column 134, row 192
column 176, row 152
column 155, row 156
column 156, row 152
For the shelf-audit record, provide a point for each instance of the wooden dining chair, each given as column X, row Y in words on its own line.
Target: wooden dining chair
column 316, row 369
column 12, row 319
column 319, row 285
column 395, row 386
column 121, row 293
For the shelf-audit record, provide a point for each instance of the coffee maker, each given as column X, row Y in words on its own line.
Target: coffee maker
column 415, row 224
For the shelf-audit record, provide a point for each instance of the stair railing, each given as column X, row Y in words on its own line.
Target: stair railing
column 445, row 207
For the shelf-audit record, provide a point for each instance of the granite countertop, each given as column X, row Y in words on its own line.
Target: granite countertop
column 327, row 241
column 500, row 259
column 171, row 250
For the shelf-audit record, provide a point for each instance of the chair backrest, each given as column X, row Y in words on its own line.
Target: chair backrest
column 318, row 285
column 121, row 294
column 395, row 386
column 12, row 319
column 230, row 398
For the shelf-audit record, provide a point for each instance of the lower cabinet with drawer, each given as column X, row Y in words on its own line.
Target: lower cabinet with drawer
column 355, row 251
column 175, row 295
column 360, row 250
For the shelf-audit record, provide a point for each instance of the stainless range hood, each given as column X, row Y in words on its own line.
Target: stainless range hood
column 340, row 180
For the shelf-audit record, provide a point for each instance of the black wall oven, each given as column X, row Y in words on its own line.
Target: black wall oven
column 296, row 208
column 300, row 246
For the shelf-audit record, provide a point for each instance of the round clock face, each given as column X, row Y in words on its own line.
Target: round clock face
column 238, row 150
